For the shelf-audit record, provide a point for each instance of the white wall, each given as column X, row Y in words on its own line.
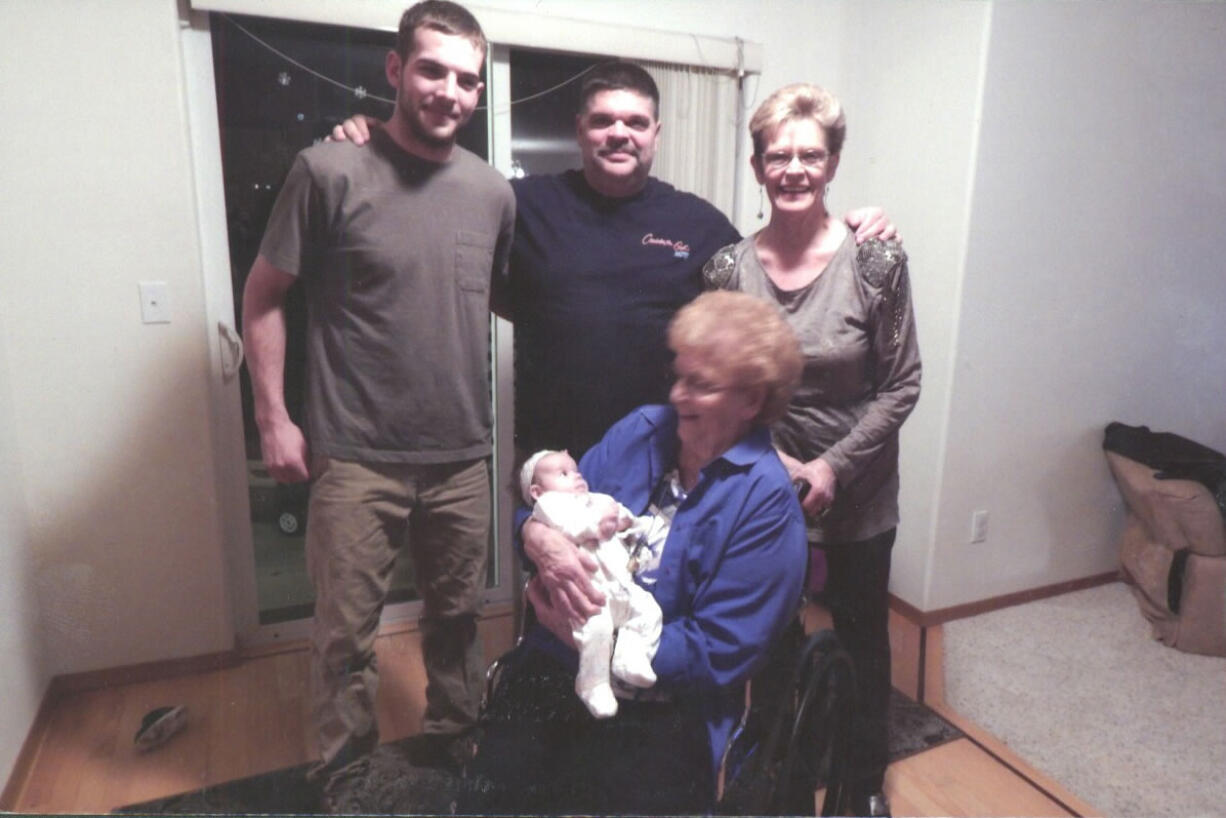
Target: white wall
column 108, row 417
column 23, row 673
column 1094, row 281
column 910, row 82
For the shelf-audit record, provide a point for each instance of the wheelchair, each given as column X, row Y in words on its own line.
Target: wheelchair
column 795, row 731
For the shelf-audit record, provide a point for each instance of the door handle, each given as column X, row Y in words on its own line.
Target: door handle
column 231, row 351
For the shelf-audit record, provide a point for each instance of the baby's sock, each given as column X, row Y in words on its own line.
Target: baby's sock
column 630, row 661
column 600, row 700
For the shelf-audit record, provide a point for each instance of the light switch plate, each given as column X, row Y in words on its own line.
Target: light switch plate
column 979, row 526
column 154, row 302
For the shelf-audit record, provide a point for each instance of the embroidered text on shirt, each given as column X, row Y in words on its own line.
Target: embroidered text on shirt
column 680, row 249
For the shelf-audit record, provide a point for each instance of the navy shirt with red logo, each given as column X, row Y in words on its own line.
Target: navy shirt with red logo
column 592, row 285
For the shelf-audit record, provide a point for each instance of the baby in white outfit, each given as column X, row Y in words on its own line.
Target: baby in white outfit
column 552, row 484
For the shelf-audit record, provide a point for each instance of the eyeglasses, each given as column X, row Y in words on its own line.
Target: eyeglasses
column 778, row 160
column 698, row 386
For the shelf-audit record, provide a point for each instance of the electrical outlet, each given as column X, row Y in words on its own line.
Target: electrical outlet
column 979, row 526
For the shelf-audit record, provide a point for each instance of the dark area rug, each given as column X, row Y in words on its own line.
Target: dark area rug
column 915, row 727
column 397, row 786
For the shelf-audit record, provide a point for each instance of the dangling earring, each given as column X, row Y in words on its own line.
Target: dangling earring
column 761, row 191
column 825, row 193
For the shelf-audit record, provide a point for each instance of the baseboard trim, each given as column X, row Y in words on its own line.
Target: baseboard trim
column 142, row 672
column 928, row 619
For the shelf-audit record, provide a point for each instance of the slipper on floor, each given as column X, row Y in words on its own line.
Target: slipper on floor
column 159, row 725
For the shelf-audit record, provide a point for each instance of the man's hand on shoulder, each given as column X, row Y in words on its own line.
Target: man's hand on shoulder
column 870, row 223
column 564, row 571
column 355, row 129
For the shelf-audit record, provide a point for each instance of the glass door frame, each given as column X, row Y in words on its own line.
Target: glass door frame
column 230, row 462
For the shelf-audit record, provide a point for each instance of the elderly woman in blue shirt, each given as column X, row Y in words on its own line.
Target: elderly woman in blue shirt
column 725, row 562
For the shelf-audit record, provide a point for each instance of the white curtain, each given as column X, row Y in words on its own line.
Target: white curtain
column 698, row 112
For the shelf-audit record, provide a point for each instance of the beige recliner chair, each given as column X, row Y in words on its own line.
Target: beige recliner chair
column 1173, row 553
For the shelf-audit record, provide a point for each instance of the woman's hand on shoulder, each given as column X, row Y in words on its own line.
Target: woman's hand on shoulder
column 822, row 486
column 355, row 129
column 564, row 571
column 870, row 223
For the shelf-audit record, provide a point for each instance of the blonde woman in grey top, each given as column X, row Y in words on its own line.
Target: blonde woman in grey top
column 851, row 308
column 861, row 378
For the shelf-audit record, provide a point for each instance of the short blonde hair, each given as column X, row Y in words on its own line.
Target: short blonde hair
column 799, row 101
column 745, row 341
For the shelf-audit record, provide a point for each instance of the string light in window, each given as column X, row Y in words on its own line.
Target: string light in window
column 284, row 78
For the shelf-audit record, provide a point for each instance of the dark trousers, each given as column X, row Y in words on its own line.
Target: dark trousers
column 541, row 752
column 857, row 587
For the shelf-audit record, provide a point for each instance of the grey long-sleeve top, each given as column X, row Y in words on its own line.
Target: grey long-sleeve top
column 861, row 376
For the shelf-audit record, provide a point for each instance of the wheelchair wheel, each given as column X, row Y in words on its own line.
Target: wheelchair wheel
column 797, row 732
column 818, row 741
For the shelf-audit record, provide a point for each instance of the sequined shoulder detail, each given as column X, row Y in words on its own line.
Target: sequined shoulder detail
column 720, row 269
column 877, row 259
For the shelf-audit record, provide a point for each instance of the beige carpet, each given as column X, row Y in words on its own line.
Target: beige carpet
column 1076, row 685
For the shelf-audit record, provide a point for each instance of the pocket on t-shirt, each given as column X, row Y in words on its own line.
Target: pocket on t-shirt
column 474, row 258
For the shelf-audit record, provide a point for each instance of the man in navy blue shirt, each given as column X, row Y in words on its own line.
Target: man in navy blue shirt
column 602, row 259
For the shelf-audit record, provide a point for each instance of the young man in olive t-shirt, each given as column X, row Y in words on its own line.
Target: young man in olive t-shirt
column 395, row 247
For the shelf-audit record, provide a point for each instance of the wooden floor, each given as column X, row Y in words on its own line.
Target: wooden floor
column 251, row 718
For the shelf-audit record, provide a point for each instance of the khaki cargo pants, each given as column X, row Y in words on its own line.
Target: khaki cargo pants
column 361, row 516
